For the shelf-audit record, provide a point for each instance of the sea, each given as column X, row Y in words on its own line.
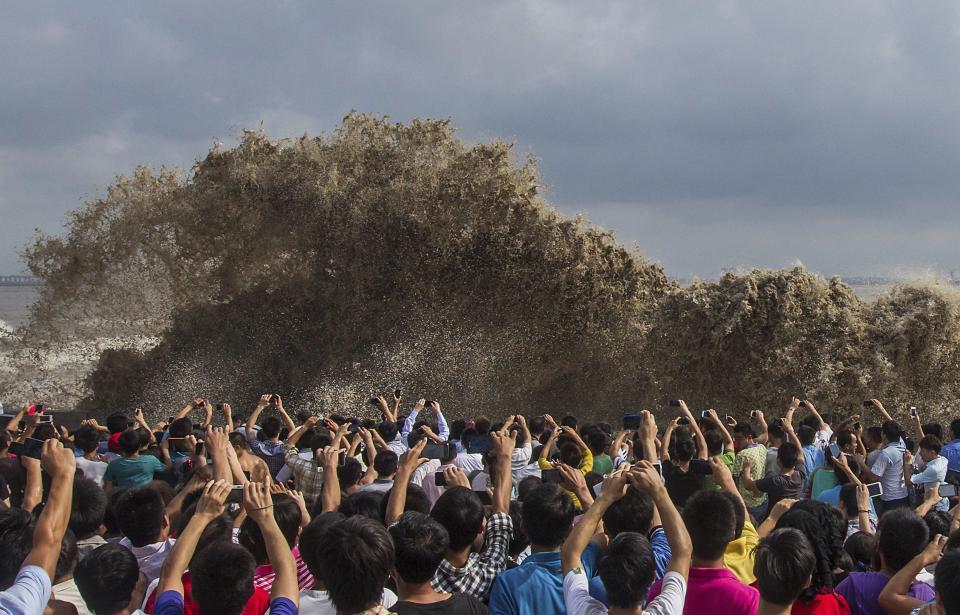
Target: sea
column 15, row 302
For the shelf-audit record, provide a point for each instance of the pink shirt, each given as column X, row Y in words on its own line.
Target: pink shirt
column 709, row 587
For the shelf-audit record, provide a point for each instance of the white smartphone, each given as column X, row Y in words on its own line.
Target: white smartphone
column 875, row 490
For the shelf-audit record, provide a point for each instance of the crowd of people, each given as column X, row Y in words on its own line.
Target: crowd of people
column 214, row 513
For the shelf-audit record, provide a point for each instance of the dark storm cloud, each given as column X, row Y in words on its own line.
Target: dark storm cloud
column 729, row 134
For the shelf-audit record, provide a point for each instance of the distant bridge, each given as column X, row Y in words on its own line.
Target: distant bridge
column 19, row 280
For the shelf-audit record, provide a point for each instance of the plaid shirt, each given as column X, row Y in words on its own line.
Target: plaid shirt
column 482, row 568
column 307, row 474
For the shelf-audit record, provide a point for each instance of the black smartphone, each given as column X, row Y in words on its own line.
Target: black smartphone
column 45, row 418
column 30, row 448
column 219, row 407
column 913, row 411
column 780, row 421
column 342, row 459
column 436, row 451
column 868, row 403
column 700, row 467
column 674, row 403
column 373, row 401
column 753, row 414
column 550, row 476
column 484, row 497
column 274, row 399
column 683, row 421
column 480, row 445
column 199, row 447
column 631, row 421
column 39, row 408
column 875, row 489
column 857, row 425
column 705, row 414
column 427, row 403
column 236, row 495
column 396, row 393
column 802, row 404
column 440, row 479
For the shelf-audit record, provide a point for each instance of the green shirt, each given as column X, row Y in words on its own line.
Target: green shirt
column 126, row 472
column 602, row 464
column 758, row 459
column 728, row 457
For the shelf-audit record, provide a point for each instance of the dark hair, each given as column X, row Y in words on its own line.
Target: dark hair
column 597, row 441
column 627, row 569
column 271, row 426
column 848, row 497
column 547, row 515
column 861, row 547
column 684, row 448
column 387, row 430
column 286, row 511
column 365, row 503
column 416, row 500
column 739, row 511
column 901, row 536
column 140, row 515
column 946, row 580
column 631, row 513
column 16, row 540
column 745, row 429
column 87, row 439
column 221, row 578
column 775, row 430
column 891, row 431
column 456, row 428
column 783, row 563
column 349, row 473
column 356, row 556
column 518, row 538
column 806, row 435
column 106, row 578
column 460, row 511
column 788, row 454
column 110, row 520
column 385, row 463
column 873, row 433
column 931, row 443
column 482, row 425
column 536, row 425
column 117, row 422
column 712, row 522
column 955, row 428
column 180, row 428
column 129, row 442
column 714, row 442
column 933, row 429
column 68, row 556
column 238, row 440
column 220, row 529
column 826, row 531
column 528, row 484
column 938, row 522
column 88, row 507
column 312, row 537
column 320, row 441
column 420, row 544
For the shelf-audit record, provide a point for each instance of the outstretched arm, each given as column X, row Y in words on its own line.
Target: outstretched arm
column 255, row 416
column 60, row 464
column 697, row 434
column 209, row 507
column 409, row 461
column 283, row 414
column 258, row 504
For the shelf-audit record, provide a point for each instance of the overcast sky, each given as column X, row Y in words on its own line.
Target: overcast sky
column 714, row 135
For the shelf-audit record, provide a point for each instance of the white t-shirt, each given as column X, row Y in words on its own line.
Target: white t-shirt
column 92, row 469
column 576, row 596
column 317, row 602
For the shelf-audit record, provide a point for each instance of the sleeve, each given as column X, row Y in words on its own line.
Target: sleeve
column 282, row 606
column 496, row 541
column 880, row 464
column 576, row 595
column 929, row 475
column 421, row 473
column 157, row 465
column 766, row 484
column 442, row 427
column 587, row 464
column 661, row 550
column 29, row 593
column 521, row 456
column 501, row 602
column 408, row 424
column 672, row 594
column 109, row 472
column 543, row 464
column 169, row 603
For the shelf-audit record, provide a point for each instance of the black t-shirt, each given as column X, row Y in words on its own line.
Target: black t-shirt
column 680, row 485
column 456, row 604
column 781, row 486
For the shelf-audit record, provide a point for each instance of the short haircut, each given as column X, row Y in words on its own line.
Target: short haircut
column 286, row 511
column 88, row 507
column 745, row 429
column 87, row 439
column 356, row 557
column 460, row 511
column 106, row 578
column 873, row 433
column 239, row 440
column 775, row 430
column 891, row 431
column 714, row 442
column 627, row 569
column 181, row 428
column 420, row 544
column 385, row 463
column 16, row 540
column 712, row 522
column 684, row 448
column 788, row 455
column 68, row 556
column 221, row 578
column 597, row 441
column 861, row 547
column 933, row 429
column 938, row 522
column 569, row 421
column 806, row 435
column 783, row 564
column 350, row 473
column 571, row 455
column 547, row 515
column 117, row 422
column 631, row 513
column 312, row 537
column 931, row 443
column 901, row 536
column 482, row 425
column 846, row 437
column 738, row 510
column 955, row 428
column 387, row 430
column 271, row 426
column 140, row 514
column 946, row 580
column 129, row 442
column 366, row 503
column 416, row 500
column 536, row 425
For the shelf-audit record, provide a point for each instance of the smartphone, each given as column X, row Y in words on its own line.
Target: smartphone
column 439, row 479
column 236, row 495
column 659, row 468
column 857, row 425
column 868, row 403
column 199, row 447
column 427, row 403
column 948, row 491
column 729, row 420
column 875, row 490
column 674, row 403
column 597, row 488
column 700, row 467
column 683, row 421
column 274, row 399
column 550, row 476
column 480, row 445
column 753, row 414
column 802, row 404
column 31, row 448
column 834, row 450
column 705, row 414
column 396, row 393
column 484, row 497
column 780, row 421
column 913, row 411
column 373, row 401
column 342, row 460
column 631, row 421
column 45, row 418
column 436, row 451
column 219, row 407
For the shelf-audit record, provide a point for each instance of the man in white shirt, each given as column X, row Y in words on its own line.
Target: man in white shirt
column 887, row 469
column 143, row 521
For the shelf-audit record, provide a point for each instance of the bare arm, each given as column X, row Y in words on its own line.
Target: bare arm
column 283, row 414
column 764, row 436
column 255, row 416
column 821, row 425
column 883, row 411
column 228, row 417
column 503, row 445
column 665, row 443
column 612, row 490
column 697, row 434
column 409, row 462
column 894, row 599
column 60, row 464
column 645, row 478
column 770, row 523
column 330, row 491
column 258, row 504
column 727, row 440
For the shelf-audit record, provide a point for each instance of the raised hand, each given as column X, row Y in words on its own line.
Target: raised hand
column 257, row 502
column 214, row 496
column 456, row 477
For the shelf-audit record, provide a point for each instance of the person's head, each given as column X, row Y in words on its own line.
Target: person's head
column 627, row 569
column 388, row 430
column 873, row 436
column 739, row 511
column 270, row 427
column 547, row 516
column 86, row 439
column 385, row 463
column 631, row 513
column 16, row 540
column 900, row 537
column 946, row 580
column 181, row 428
column 861, row 547
column 783, row 563
column 312, row 538
column 239, row 442
column 68, row 557
column 743, row 435
column 569, row 421
column 938, row 522
column 356, row 556
column 571, row 455
column 714, row 442
column 417, row 500
column 775, row 434
column 598, row 441
column 420, row 544
column 221, row 578
column 141, row 516
column 684, row 448
column 891, row 431
column 826, row 531
column 787, row 456
column 117, row 422
column 933, row 429
column 366, row 503
column 929, row 448
column 109, row 580
column 349, row 473
column 88, row 508
column 955, row 429
column 806, row 435
column 218, row 530
column 286, row 511
column 129, row 442
column 460, row 512
column 847, row 441
column 536, row 425
column 712, row 522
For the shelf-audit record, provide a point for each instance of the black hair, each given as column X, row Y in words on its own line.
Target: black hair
column 848, row 497
column 712, row 522
column 129, row 442
column 319, row 442
column 460, row 511
column 745, row 429
column 239, row 440
column 806, row 435
column 788, row 455
column 931, row 443
column 938, row 522
column 456, row 428
column 16, row 540
column 87, row 439
column 349, row 473
column 181, row 428
column 547, row 515
column 826, row 531
column 845, row 437
column 385, row 463
column 356, row 557
column 569, row 421
column 416, row 500
column 365, row 503
column 219, row 529
column 117, row 422
column 88, row 507
column 518, row 539
column 140, row 514
column 536, row 425
column 631, row 513
column 714, row 442
column 684, row 448
column 739, row 511
column 627, row 569
column 861, row 547
column 955, row 428
column 286, row 511
column 933, row 429
column 482, row 425
column 110, row 520
column 811, row 422
column 68, row 556
column 528, row 484
column 597, row 441
column 420, row 544
column 783, row 564
column 775, row 430
column 106, row 578
column 571, row 454
column 891, row 431
column 874, row 433
column 901, row 536
column 221, row 578
column 946, row 580
column 312, row 537
column 271, row 426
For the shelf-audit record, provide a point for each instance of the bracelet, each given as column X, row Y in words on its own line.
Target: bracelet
column 263, row 507
column 864, row 511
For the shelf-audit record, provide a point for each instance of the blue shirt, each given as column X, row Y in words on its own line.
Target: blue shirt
column 952, row 452
column 931, row 477
column 535, row 587
column 832, row 497
column 813, row 458
column 170, row 602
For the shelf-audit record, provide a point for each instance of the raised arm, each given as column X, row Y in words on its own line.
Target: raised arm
column 665, row 443
column 138, row 418
column 879, row 408
column 648, row 435
column 187, row 409
column 894, row 599
column 278, row 402
column 227, row 417
column 613, row 489
column 791, row 434
column 330, row 491
column 695, row 428
column 255, row 416
column 409, row 461
column 764, row 436
column 258, row 504
column 645, row 478
column 60, row 464
column 727, row 440
column 821, row 424
column 217, row 444
column 412, row 418
column 503, row 445
column 294, row 438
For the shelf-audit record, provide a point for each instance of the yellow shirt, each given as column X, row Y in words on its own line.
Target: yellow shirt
column 586, row 466
column 738, row 558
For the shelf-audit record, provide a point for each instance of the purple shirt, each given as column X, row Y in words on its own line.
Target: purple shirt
column 709, row 587
column 861, row 589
